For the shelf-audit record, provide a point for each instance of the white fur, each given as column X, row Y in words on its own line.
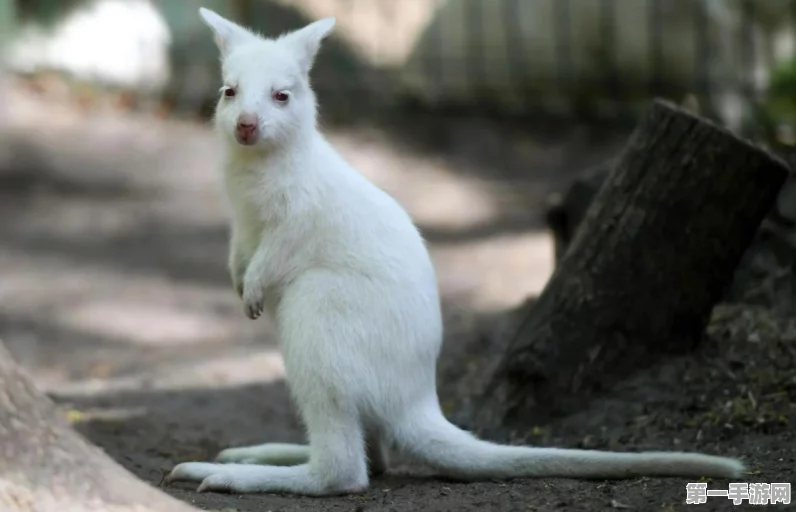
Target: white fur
column 345, row 274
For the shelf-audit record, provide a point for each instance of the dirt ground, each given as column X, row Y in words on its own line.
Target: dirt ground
column 115, row 297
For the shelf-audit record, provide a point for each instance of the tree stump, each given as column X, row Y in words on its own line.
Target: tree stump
column 45, row 466
column 565, row 212
column 654, row 253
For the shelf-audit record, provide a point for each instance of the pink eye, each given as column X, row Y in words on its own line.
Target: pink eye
column 229, row 92
column 281, row 96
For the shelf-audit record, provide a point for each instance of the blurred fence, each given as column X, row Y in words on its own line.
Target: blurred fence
column 497, row 57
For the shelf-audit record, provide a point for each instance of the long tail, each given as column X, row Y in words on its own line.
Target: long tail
column 431, row 439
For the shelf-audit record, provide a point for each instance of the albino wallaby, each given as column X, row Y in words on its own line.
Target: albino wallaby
column 346, row 276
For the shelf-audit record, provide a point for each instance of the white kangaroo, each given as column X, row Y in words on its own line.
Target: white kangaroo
column 345, row 274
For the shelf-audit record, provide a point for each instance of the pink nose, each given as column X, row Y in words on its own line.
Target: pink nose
column 247, row 127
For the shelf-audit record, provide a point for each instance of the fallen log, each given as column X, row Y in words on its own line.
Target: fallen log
column 654, row 252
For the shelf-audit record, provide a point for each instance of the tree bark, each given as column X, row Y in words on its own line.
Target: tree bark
column 45, row 466
column 565, row 212
column 654, row 253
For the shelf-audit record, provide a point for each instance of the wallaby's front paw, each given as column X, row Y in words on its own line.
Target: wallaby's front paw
column 239, row 289
column 253, row 301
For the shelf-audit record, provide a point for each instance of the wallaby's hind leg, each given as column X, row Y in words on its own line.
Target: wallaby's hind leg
column 273, row 454
column 337, row 466
column 282, row 454
column 337, row 463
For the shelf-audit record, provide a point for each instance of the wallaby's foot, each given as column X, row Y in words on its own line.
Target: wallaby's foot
column 248, row 479
column 284, row 454
column 271, row 454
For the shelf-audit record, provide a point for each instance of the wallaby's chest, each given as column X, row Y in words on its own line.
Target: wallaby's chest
column 255, row 197
column 260, row 209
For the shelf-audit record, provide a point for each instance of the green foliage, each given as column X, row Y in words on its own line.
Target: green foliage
column 8, row 15
column 780, row 103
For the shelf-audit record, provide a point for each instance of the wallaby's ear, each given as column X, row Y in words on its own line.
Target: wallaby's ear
column 307, row 41
column 226, row 33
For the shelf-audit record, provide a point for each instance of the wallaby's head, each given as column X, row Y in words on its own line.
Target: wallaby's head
column 265, row 99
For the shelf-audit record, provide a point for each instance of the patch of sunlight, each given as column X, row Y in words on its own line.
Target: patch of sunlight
column 78, row 416
column 496, row 273
column 230, row 371
column 117, row 41
column 362, row 24
column 126, row 307
column 433, row 193
column 139, row 320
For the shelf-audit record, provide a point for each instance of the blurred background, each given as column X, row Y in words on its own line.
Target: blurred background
column 472, row 113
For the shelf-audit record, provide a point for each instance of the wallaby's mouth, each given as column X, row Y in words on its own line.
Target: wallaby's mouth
column 246, row 138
